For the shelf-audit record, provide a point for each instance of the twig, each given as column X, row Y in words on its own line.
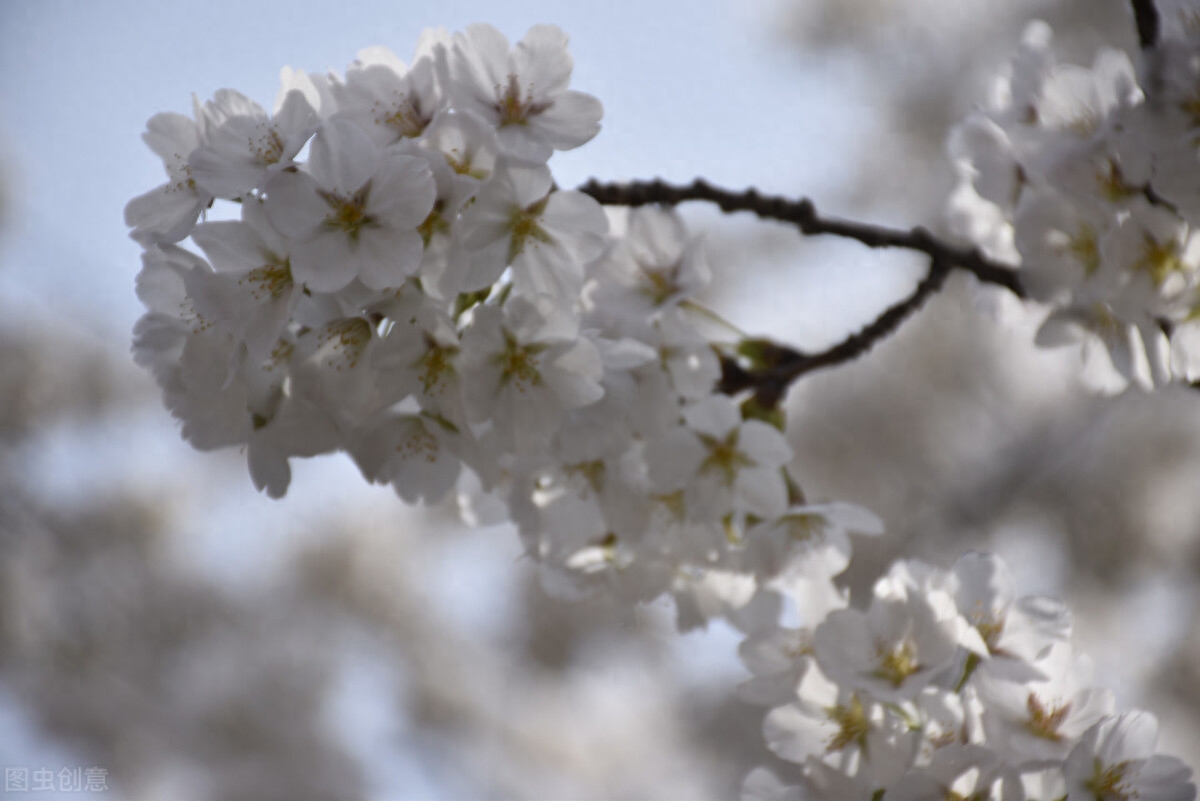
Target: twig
column 803, row 214
column 1146, row 16
column 778, row 365
column 771, row 383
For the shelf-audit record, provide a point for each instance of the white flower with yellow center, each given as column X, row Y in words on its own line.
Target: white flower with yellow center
column 1159, row 255
column 252, row 293
column 240, row 153
column 839, row 726
column 420, row 357
column 1059, row 243
column 524, row 366
column 1030, row 720
column 333, row 369
column 779, row 658
column 722, row 463
column 1115, row 761
column 903, row 642
column 412, row 452
column 1018, row 632
column 354, row 213
column 469, row 147
column 546, row 236
column 390, row 101
column 1122, row 340
column 522, row 92
column 807, row 541
column 168, row 212
column 653, row 268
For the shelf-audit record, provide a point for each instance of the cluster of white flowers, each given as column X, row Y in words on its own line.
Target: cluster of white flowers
column 407, row 284
column 1090, row 180
column 948, row 687
column 419, row 294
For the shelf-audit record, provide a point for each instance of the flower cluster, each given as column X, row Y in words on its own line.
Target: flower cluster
column 398, row 277
column 1088, row 179
column 948, row 686
column 419, row 294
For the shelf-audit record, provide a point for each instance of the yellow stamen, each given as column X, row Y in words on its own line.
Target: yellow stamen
column 1045, row 719
column 724, row 456
column 518, row 363
column 271, row 280
column 349, row 213
column 896, row 664
column 852, row 724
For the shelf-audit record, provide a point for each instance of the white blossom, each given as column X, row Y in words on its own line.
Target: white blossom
column 238, row 155
column 523, row 92
column 168, row 212
column 354, row 213
column 1115, row 759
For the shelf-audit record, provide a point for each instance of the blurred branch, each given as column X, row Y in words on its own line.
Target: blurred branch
column 786, row 365
column 803, row 214
column 1146, row 17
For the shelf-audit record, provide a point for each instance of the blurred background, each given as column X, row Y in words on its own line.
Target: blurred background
column 164, row 623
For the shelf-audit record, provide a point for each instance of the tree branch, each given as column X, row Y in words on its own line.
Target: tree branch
column 1146, row 16
column 770, row 384
column 777, row 366
column 803, row 214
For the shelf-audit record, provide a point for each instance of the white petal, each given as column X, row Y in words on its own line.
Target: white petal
column 542, row 61
column 764, row 444
column 575, row 375
column 715, row 416
column 388, row 257
column 573, row 120
column 761, row 491
column 402, row 192
column 164, row 214
column 342, row 156
column 269, row 470
column 850, row 517
column 171, row 136
column 232, row 246
column 293, row 205
column 325, row 262
column 673, row 459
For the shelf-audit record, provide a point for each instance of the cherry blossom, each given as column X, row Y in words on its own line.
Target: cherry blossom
column 418, row 292
column 168, row 212
column 523, row 92
column 355, row 212
column 239, row 154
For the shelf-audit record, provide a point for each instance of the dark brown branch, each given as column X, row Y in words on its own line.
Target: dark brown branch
column 803, row 214
column 1146, row 16
column 778, row 366
column 771, row 383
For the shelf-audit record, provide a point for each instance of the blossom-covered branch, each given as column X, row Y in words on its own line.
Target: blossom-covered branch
column 803, row 214
column 406, row 285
